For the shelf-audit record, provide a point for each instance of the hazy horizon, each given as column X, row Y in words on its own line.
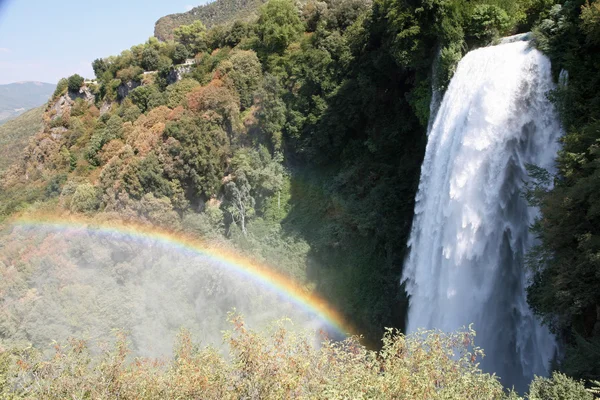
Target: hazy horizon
column 44, row 42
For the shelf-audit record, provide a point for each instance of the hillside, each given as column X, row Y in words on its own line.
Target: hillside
column 211, row 14
column 16, row 98
column 294, row 140
column 15, row 134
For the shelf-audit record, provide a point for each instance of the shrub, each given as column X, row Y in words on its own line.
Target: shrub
column 147, row 97
column 61, row 88
column 75, row 82
column 85, row 198
column 559, row 387
column 54, row 186
column 177, row 92
column 129, row 74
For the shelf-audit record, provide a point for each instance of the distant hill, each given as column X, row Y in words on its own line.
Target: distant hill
column 215, row 13
column 15, row 134
column 16, row 98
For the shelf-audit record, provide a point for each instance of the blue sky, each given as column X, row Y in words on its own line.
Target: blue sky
column 45, row 40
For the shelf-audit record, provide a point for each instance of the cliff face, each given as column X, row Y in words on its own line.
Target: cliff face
column 215, row 13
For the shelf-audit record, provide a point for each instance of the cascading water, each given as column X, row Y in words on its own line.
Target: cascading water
column 471, row 225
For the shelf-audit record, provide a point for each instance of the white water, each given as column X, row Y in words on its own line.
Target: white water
column 470, row 229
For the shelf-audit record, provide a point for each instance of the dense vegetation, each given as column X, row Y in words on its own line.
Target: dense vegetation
column 211, row 14
column 428, row 365
column 565, row 290
column 15, row 134
column 297, row 136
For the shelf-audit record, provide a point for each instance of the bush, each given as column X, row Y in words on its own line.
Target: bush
column 54, row 186
column 75, row 82
column 559, row 387
column 147, row 97
column 276, row 365
column 61, row 88
column 85, row 198
column 129, row 74
column 177, row 92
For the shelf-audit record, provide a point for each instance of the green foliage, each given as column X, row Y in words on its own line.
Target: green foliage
column 61, row 88
column 79, row 108
column 193, row 37
column 246, row 74
column 103, row 135
column 211, row 14
column 100, row 66
column 209, row 224
column 273, row 365
column 271, row 112
column 54, row 187
column 564, row 289
column 240, row 203
column 129, row 74
column 150, row 59
column 147, row 97
column 177, row 92
column 181, row 53
column 590, row 21
column 338, row 93
column 278, row 25
column 85, row 199
column 75, row 82
column 15, row 134
column 131, row 113
column 198, row 150
column 559, row 387
column 488, row 22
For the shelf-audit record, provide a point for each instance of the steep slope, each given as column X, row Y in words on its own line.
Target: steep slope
column 15, row 134
column 16, row 98
column 215, row 13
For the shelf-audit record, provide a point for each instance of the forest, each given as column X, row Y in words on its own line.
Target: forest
column 296, row 137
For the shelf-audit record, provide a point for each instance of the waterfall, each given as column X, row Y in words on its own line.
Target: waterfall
column 471, row 225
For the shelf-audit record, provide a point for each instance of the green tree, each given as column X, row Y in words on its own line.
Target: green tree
column 565, row 264
column 150, row 59
column 112, row 130
column 85, row 198
column 196, row 149
column 177, row 92
column 240, row 203
column 129, row 74
column 75, row 82
column 181, row 53
column 279, row 25
column 147, row 97
column 100, row 66
column 272, row 111
column 246, row 75
column 193, row 36
column 61, row 88
column 488, row 22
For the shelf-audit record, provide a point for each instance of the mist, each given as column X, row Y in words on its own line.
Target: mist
column 87, row 284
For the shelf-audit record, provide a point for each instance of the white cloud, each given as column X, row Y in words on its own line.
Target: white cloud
column 4, row 50
column 188, row 7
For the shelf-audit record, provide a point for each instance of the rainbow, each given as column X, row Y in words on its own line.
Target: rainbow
column 266, row 277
